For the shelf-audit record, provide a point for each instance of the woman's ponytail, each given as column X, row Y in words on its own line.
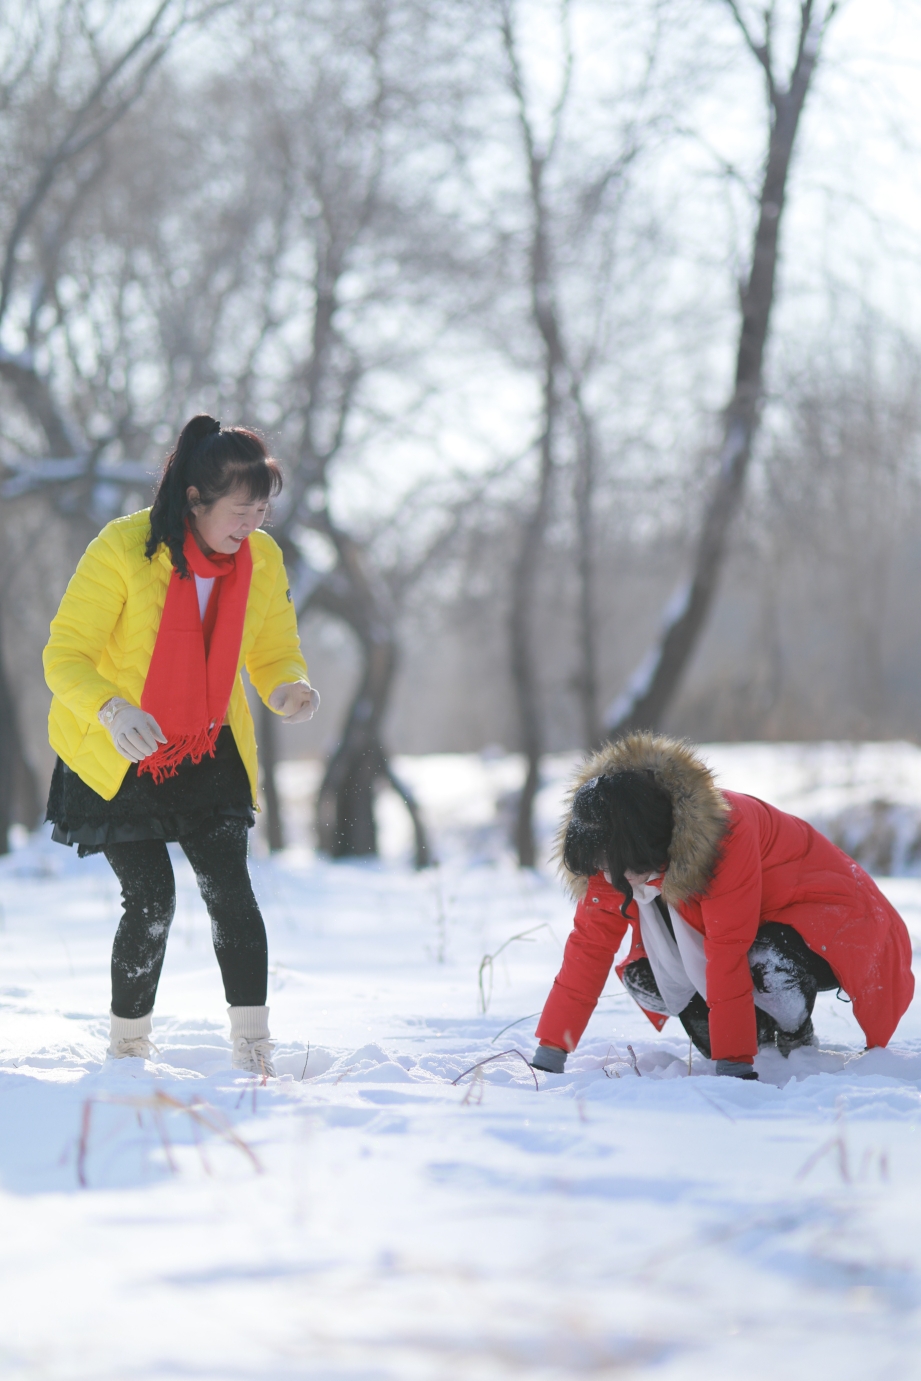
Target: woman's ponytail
column 214, row 460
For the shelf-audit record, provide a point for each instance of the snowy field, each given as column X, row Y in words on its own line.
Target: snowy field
column 377, row 1213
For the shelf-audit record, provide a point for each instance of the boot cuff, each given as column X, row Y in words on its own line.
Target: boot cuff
column 128, row 1028
column 252, row 1023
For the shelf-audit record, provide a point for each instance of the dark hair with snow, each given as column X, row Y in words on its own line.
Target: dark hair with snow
column 215, row 460
column 619, row 822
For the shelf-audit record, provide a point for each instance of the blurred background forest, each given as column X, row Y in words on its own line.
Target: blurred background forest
column 586, row 333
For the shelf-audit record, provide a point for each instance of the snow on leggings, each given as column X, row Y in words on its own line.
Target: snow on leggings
column 786, row 977
column 217, row 853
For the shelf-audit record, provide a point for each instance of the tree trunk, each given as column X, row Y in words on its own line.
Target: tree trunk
column 521, row 638
column 587, row 676
column 345, row 814
column 35, row 397
column 268, row 751
column 345, row 806
column 423, row 854
column 28, row 806
column 655, row 683
column 9, row 753
column 545, row 318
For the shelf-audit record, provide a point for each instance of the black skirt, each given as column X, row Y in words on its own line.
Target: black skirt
column 142, row 809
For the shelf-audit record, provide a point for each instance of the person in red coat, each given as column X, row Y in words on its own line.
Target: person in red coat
column 740, row 913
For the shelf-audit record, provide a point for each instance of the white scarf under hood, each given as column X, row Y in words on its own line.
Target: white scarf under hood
column 679, row 965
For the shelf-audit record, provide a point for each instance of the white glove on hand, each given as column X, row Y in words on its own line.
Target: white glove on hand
column 135, row 733
column 296, row 701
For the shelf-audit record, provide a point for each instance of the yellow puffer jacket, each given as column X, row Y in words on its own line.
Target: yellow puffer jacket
column 103, row 635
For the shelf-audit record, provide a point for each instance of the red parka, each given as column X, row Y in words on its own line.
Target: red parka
column 752, row 863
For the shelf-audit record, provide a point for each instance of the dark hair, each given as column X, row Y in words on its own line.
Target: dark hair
column 216, row 460
column 619, row 822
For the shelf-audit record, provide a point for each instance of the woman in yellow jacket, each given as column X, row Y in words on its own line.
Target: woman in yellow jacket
column 149, row 719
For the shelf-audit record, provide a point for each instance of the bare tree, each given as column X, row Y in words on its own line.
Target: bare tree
column 840, row 512
column 66, row 82
column 586, row 476
column 569, row 196
column 339, row 227
column 653, row 686
column 9, row 747
column 545, row 316
column 64, row 158
column 215, row 282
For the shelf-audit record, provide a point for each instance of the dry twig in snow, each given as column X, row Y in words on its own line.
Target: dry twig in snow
column 489, row 1059
column 486, row 963
column 201, row 1115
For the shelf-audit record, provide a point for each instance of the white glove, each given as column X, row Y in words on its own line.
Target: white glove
column 135, row 733
column 296, row 701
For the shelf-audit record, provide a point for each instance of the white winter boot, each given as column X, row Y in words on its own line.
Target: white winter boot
column 130, row 1036
column 252, row 1048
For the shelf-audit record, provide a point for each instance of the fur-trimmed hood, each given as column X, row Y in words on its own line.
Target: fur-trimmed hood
column 700, row 809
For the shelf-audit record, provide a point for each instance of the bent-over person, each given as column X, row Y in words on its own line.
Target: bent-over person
column 740, row 913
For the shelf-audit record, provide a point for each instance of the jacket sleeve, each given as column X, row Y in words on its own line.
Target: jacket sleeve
column 82, row 627
column 587, row 959
column 731, row 909
column 275, row 656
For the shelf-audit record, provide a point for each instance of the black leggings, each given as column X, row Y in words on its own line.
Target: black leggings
column 217, row 853
column 786, row 977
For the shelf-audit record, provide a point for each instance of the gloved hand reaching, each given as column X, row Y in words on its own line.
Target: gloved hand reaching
column 296, row 701
column 735, row 1069
column 135, row 733
column 549, row 1058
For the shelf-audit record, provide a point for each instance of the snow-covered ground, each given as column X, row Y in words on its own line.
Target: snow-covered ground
column 867, row 796
column 366, row 1216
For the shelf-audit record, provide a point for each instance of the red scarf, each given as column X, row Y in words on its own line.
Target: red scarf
column 193, row 667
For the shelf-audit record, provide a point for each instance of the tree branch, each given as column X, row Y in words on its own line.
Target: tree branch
column 761, row 51
column 69, row 146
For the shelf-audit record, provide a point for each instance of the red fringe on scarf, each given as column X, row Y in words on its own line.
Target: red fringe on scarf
column 165, row 761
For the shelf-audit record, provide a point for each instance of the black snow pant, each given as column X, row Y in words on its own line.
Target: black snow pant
column 217, row 853
column 786, row 976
